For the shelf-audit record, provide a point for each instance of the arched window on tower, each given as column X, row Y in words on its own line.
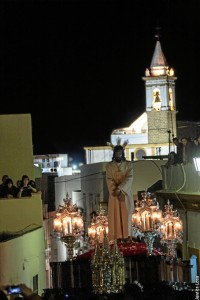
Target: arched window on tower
column 171, row 107
column 156, row 100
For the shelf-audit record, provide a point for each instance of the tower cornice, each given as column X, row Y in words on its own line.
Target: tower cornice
column 165, row 77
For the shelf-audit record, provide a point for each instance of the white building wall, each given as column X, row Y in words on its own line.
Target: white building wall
column 66, row 184
column 78, row 198
column 22, row 258
column 103, row 154
column 94, row 155
column 194, row 236
column 64, row 171
column 63, row 158
column 136, row 138
column 93, row 187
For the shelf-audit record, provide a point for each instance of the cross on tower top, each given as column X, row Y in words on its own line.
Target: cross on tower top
column 158, row 35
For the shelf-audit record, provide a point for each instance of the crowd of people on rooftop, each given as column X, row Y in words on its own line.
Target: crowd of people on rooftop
column 23, row 188
column 186, row 150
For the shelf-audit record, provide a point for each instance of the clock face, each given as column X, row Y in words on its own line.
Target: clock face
column 140, row 153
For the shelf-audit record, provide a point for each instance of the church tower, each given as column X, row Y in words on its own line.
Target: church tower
column 160, row 98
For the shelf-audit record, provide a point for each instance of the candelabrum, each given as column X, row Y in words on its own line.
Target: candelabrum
column 171, row 229
column 146, row 220
column 98, row 227
column 108, row 268
column 68, row 225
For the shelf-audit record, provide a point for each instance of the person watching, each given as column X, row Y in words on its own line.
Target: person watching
column 25, row 291
column 2, row 185
column 10, row 190
column 179, row 150
column 172, row 159
column 25, row 188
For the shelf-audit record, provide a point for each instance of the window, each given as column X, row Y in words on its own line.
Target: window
column 156, row 100
column 35, row 284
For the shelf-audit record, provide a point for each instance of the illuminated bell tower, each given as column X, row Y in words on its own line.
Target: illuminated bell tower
column 160, row 98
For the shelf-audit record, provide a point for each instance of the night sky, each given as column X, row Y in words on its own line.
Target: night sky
column 77, row 66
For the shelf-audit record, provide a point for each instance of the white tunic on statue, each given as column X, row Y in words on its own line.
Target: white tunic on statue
column 120, row 175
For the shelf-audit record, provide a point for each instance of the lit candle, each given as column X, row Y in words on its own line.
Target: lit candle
column 167, row 230
column 106, row 229
column 143, row 223
column 134, row 219
column 64, row 227
column 57, row 225
column 170, row 229
column 147, row 222
column 68, row 227
column 100, row 233
column 70, row 224
column 91, row 232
